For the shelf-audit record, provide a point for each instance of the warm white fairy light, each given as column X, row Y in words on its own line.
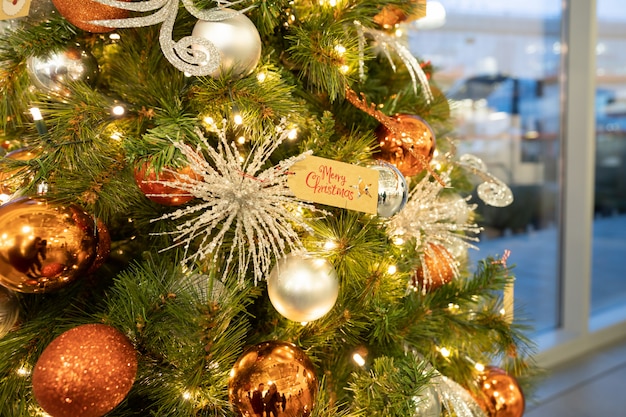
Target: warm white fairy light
column 344, row 69
column 208, row 120
column 118, row 110
column 398, row 241
column 23, row 371
column 330, row 244
column 292, row 134
column 116, row 136
column 241, row 195
column 358, row 359
column 445, row 352
column 237, row 119
column 241, row 140
column 479, row 367
column 340, row 49
column 187, row 395
column 261, row 76
column 392, row 269
column 115, row 36
column 36, row 113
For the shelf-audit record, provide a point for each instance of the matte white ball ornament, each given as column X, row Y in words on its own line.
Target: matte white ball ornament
column 303, row 288
column 237, row 40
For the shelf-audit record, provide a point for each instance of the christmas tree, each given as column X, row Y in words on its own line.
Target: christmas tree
column 241, row 208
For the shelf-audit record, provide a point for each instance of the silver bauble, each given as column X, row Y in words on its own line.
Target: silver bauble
column 9, row 311
column 52, row 73
column 303, row 288
column 393, row 191
column 238, row 41
column 427, row 403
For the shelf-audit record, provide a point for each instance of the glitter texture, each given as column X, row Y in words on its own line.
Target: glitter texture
column 80, row 14
column 492, row 191
column 456, row 399
column 238, row 196
column 86, row 371
column 389, row 43
column 431, row 218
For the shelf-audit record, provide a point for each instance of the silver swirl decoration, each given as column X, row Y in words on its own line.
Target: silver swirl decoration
column 492, row 190
column 192, row 55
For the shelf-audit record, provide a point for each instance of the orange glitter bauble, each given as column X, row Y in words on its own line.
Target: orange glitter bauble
column 80, row 13
column 86, row 371
column 168, row 196
column 409, row 146
column 500, row 395
column 437, row 268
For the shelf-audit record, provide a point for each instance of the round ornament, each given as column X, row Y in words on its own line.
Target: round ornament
column 500, row 394
column 303, row 288
column 80, row 13
column 9, row 311
column 146, row 179
column 393, row 191
column 44, row 246
column 437, row 268
column 276, row 373
column 237, row 40
column 410, row 146
column 51, row 73
column 9, row 183
column 86, row 371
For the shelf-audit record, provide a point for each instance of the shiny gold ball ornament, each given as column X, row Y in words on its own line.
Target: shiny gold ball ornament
column 86, row 371
column 52, row 73
column 437, row 268
column 103, row 247
column 393, row 191
column 44, row 246
column 500, row 394
column 409, row 143
column 237, row 40
column 285, row 372
column 303, row 288
column 147, row 181
column 9, row 311
column 80, row 13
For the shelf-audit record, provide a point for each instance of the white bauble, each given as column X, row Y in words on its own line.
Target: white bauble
column 303, row 288
column 237, row 40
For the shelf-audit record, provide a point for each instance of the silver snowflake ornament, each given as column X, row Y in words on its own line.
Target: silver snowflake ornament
column 238, row 196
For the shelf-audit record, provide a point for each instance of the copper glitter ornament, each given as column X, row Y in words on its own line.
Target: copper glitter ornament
column 44, row 246
column 405, row 140
column 146, row 179
column 80, row 13
column 437, row 268
column 86, row 371
column 500, row 394
column 409, row 145
column 272, row 370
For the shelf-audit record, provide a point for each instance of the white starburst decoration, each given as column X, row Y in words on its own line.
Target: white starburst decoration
column 239, row 196
column 432, row 218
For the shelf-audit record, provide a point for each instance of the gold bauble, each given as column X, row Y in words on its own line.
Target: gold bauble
column 500, row 395
column 437, row 268
column 410, row 146
column 44, row 246
column 281, row 365
column 9, row 311
column 79, row 13
column 86, row 371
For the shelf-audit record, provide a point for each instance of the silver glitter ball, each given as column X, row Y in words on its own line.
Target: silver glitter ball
column 9, row 311
column 303, row 288
column 52, row 73
column 237, row 40
column 393, row 191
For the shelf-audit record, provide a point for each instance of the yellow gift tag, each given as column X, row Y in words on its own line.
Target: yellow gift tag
column 334, row 183
column 12, row 9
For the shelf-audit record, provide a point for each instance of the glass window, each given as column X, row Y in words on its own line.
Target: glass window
column 609, row 226
column 499, row 63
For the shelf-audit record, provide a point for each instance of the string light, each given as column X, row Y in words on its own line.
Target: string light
column 358, row 359
column 115, row 36
column 23, row 371
column 330, row 245
column 118, row 110
column 38, row 119
column 241, row 140
column 293, row 134
column 261, row 76
column 445, row 352
column 392, row 269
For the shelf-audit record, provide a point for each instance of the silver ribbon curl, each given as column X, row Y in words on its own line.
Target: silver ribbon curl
column 492, row 190
column 192, row 55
